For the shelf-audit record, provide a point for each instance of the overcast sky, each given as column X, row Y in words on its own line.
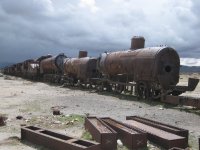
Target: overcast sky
column 30, row 28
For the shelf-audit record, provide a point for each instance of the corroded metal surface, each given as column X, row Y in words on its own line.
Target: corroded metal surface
column 101, row 133
column 158, row 136
column 82, row 54
column 137, row 42
column 156, row 64
column 182, row 100
column 80, row 68
column 162, row 126
column 52, row 65
column 131, row 137
column 55, row 141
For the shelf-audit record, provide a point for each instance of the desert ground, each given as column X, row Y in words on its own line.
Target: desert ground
column 34, row 101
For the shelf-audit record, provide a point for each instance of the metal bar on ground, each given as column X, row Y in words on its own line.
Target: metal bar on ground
column 190, row 101
column 101, row 133
column 162, row 126
column 55, row 141
column 182, row 100
column 131, row 137
column 158, row 136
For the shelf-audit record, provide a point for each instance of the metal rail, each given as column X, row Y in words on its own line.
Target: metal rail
column 101, row 133
column 55, row 141
column 161, row 137
column 131, row 137
column 162, row 126
column 182, row 100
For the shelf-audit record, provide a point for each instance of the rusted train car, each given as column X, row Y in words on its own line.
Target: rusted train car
column 80, row 69
column 152, row 69
column 151, row 72
column 51, row 68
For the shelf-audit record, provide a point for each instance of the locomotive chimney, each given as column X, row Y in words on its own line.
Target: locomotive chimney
column 137, row 42
column 82, row 54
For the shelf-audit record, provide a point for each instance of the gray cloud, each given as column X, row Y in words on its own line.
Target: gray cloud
column 30, row 28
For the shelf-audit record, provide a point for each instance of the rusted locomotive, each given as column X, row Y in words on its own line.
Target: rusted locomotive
column 153, row 69
column 151, row 72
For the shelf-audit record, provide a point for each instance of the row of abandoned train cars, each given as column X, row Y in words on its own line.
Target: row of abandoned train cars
column 149, row 73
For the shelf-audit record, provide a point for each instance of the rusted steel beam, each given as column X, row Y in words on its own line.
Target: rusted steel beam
column 162, row 126
column 101, row 133
column 161, row 137
column 55, row 141
column 171, row 99
column 190, row 101
column 182, row 100
column 133, row 138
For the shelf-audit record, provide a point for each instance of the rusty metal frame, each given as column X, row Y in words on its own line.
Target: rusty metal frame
column 53, row 140
column 162, row 126
column 182, row 100
column 101, row 133
column 158, row 136
column 133, row 138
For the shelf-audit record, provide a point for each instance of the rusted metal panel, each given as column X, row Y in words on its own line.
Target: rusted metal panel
column 52, row 64
column 158, row 136
column 55, row 141
column 162, row 126
column 192, row 83
column 101, row 133
column 80, row 68
column 155, row 64
column 171, row 99
column 190, row 101
column 82, row 54
column 133, row 138
column 137, row 42
column 182, row 100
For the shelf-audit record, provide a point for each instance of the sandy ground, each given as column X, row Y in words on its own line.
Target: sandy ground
column 34, row 101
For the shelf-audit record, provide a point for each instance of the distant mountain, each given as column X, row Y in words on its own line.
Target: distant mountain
column 190, row 69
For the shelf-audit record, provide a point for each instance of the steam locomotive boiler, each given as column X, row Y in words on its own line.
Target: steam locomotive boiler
column 51, row 68
column 154, row 69
column 80, row 69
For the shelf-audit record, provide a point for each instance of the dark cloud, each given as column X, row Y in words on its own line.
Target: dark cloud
column 30, row 28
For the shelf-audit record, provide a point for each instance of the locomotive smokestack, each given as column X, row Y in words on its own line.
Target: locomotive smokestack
column 137, row 42
column 82, row 54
